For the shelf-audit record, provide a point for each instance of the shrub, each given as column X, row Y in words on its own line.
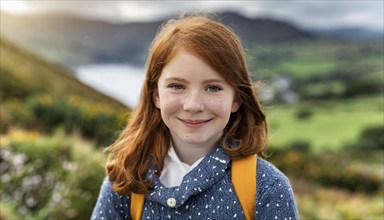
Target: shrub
column 19, row 114
column 372, row 138
column 94, row 120
column 30, row 169
column 6, row 120
column 305, row 113
column 49, row 177
column 328, row 168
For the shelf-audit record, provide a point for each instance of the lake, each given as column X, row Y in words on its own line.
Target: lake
column 119, row 81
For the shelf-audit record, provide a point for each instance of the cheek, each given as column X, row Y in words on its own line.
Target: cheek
column 169, row 104
column 221, row 106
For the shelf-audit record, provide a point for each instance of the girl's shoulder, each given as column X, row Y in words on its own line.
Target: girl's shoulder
column 275, row 197
column 268, row 173
column 110, row 205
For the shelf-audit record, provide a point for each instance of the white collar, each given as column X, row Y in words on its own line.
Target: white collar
column 174, row 169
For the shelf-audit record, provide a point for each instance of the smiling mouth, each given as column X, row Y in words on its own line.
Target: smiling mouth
column 194, row 123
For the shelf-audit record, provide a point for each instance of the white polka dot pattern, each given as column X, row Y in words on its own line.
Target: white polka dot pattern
column 205, row 193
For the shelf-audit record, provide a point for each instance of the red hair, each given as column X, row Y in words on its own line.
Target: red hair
column 146, row 138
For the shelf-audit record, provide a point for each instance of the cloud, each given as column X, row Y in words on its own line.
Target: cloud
column 314, row 14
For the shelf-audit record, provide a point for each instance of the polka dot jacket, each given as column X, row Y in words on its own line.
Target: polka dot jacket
column 205, row 193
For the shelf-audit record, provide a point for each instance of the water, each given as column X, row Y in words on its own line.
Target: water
column 121, row 82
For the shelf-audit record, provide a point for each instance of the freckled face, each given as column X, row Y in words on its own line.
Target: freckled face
column 195, row 101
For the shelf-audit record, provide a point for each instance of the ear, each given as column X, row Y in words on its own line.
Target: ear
column 235, row 106
column 156, row 98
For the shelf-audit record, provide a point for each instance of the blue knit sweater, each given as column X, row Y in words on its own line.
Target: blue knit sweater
column 205, row 193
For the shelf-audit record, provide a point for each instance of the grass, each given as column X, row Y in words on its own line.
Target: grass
column 315, row 202
column 301, row 69
column 305, row 60
column 331, row 126
column 29, row 72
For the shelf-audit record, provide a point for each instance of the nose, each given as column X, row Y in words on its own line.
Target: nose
column 193, row 103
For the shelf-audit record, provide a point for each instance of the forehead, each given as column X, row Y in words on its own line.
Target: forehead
column 187, row 64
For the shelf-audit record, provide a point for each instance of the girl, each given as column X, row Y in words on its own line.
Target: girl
column 198, row 113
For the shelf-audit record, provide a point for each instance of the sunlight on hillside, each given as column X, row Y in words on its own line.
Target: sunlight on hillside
column 15, row 7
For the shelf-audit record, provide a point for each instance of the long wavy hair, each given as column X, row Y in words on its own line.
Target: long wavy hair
column 146, row 138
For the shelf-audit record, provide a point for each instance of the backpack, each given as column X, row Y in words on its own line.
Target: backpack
column 243, row 179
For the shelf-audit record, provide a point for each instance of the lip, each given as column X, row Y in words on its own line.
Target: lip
column 194, row 123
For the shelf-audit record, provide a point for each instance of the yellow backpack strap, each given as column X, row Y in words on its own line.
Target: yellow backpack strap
column 137, row 205
column 244, row 181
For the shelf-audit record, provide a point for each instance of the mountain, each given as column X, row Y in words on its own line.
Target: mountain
column 262, row 29
column 354, row 34
column 24, row 74
column 74, row 41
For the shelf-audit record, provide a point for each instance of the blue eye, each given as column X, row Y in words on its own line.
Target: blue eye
column 214, row 88
column 176, row 86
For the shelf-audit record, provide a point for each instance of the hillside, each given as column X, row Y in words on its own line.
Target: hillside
column 24, row 74
column 74, row 41
column 262, row 30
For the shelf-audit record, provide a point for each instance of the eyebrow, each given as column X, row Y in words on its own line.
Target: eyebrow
column 186, row 81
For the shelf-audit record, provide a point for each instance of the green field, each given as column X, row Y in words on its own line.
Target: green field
column 331, row 124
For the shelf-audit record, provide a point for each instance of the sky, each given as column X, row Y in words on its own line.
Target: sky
column 312, row 14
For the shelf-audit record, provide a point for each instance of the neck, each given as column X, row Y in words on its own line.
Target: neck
column 190, row 154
